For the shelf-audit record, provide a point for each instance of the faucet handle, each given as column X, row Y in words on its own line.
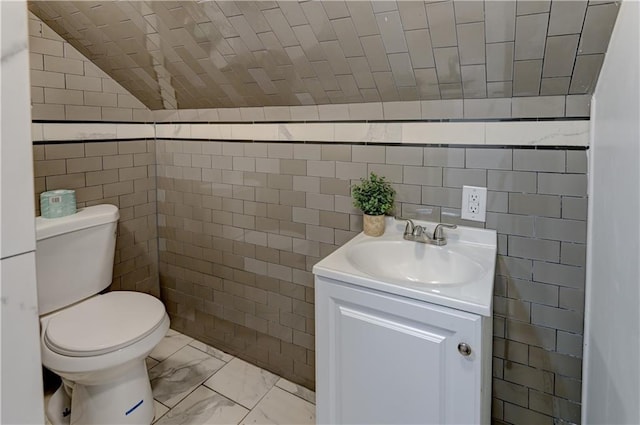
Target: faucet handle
column 438, row 234
column 408, row 230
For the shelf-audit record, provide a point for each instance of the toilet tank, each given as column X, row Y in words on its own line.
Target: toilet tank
column 74, row 256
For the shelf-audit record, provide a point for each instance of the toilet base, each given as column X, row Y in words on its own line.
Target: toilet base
column 124, row 400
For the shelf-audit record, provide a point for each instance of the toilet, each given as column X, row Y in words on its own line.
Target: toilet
column 97, row 343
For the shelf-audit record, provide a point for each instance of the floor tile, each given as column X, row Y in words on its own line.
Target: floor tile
column 214, row 352
column 160, row 409
column 171, row 343
column 281, row 407
column 174, row 378
column 150, row 362
column 297, row 390
column 204, row 406
column 242, row 382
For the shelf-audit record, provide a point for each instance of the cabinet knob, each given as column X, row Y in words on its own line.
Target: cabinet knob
column 464, row 349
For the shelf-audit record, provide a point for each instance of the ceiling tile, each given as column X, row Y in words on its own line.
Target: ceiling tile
column 413, row 15
column 442, row 24
column 567, row 17
column 585, row 73
column 419, row 44
column 469, row 11
column 526, row 78
column 500, row 61
column 560, row 53
column 529, row 7
column 500, row 21
column 598, row 25
column 447, row 64
column 531, row 31
column 392, row 32
column 471, row 43
column 204, row 54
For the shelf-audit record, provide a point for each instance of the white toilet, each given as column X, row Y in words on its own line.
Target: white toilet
column 96, row 343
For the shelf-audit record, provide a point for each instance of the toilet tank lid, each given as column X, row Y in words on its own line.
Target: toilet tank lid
column 83, row 219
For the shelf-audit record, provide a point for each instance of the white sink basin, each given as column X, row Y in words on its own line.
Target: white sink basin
column 400, row 260
column 458, row 275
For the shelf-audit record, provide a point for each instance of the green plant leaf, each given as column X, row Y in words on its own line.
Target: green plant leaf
column 374, row 196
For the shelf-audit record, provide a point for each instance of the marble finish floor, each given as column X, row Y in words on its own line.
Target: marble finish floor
column 196, row 384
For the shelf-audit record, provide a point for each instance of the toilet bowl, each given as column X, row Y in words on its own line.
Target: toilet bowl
column 97, row 344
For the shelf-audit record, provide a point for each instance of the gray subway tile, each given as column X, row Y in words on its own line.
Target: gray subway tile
column 336, row 152
column 494, row 159
column 530, row 36
column 442, row 197
column 510, row 350
column 572, row 299
column 526, row 77
column 517, row 414
column 573, row 254
column 369, row 154
column 568, row 388
column 393, row 173
column 538, row 293
column 574, row 208
column 538, row 107
column 529, row 377
column 561, row 230
column 535, row 249
column 487, row 108
column 555, row 362
column 521, row 268
column 555, row 406
column 457, row 177
column 536, row 336
column 541, row 205
column 427, row 176
column 497, row 201
column 558, row 274
column 444, row 157
column 404, row 155
column 512, row 181
column 577, row 105
column 562, row 184
column 510, row 224
column 570, row 343
column 508, row 391
column 512, row 308
column 556, row 318
column 597, row 28
column 539, row 160
column 585, row 73
column 577, row 161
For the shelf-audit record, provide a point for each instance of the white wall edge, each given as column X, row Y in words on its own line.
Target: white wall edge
column 588, row 274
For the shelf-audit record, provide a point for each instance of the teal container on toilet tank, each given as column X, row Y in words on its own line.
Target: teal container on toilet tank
column 57, row 203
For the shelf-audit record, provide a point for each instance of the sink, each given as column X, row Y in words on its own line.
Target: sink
column 400, row 260
column 459, row 274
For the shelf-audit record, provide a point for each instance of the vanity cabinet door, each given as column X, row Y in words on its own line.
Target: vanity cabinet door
column 390, row 360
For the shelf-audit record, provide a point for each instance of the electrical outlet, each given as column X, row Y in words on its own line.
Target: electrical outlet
column 474, row 203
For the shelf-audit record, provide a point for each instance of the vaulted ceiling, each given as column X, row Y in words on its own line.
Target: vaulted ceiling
column 207, row 54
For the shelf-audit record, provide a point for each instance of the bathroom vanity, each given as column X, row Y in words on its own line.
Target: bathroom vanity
column 403, row 329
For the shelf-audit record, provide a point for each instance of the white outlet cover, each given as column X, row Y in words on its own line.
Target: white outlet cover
column 474, row 203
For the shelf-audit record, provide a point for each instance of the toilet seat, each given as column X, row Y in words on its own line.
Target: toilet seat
column 103, row 324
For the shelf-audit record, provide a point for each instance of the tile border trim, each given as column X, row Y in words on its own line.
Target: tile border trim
column 515, row 133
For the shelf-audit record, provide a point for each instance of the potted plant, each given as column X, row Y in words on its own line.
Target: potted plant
column 374, row 196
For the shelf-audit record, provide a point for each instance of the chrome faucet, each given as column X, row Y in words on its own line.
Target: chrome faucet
column 416, row 233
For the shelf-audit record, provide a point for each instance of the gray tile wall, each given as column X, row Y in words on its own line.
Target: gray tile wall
column 118, row 173
column 65, row 85
column 242, row 224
